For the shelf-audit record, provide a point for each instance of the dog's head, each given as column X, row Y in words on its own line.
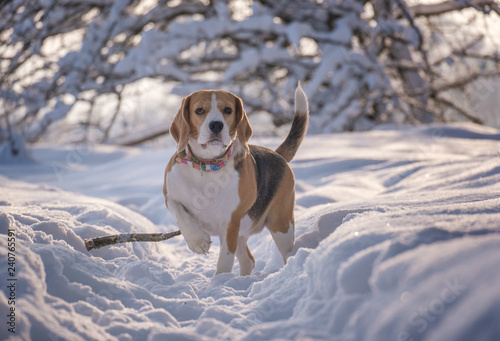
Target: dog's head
column 209, row 121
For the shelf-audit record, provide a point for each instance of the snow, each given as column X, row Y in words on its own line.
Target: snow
column 396, row 239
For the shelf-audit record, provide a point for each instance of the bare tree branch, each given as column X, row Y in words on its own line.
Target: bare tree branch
column 453, row 5
column 97, row 243
column 462, row 110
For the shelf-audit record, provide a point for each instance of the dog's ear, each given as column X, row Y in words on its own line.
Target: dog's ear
column 243, row 128
column 180, row 128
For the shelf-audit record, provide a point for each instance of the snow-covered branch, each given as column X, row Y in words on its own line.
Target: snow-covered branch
column 362, row 63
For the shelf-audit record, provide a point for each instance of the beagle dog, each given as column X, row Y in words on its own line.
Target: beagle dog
column 216, row 184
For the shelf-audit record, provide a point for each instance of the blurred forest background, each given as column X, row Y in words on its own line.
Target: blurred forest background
column 112, row 71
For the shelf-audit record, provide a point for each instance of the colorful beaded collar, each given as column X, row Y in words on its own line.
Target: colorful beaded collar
column 205, row 165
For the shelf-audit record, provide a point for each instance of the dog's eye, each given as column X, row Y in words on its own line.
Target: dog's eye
column 199, row 111
column 228, row 110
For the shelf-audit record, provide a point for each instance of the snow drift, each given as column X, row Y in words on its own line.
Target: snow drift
column 397, row 238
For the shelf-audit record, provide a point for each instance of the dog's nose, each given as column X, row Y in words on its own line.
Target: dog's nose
column 216, row 126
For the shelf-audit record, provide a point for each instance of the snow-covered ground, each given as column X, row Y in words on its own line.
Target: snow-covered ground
column 397, row 238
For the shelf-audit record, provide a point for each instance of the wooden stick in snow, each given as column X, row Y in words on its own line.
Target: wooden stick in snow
column 96, row 243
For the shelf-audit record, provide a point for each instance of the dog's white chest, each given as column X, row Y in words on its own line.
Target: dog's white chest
column 209, row 197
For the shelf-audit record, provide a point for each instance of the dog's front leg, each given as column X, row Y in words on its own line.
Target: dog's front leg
column 228, row 244
column 197, row 240
column 226, row 258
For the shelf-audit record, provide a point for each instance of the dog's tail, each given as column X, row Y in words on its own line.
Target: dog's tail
column 299, row 126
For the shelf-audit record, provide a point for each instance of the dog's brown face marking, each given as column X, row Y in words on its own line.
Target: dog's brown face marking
column 200, row 106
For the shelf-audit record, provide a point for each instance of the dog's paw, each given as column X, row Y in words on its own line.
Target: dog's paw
column 199, row 242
